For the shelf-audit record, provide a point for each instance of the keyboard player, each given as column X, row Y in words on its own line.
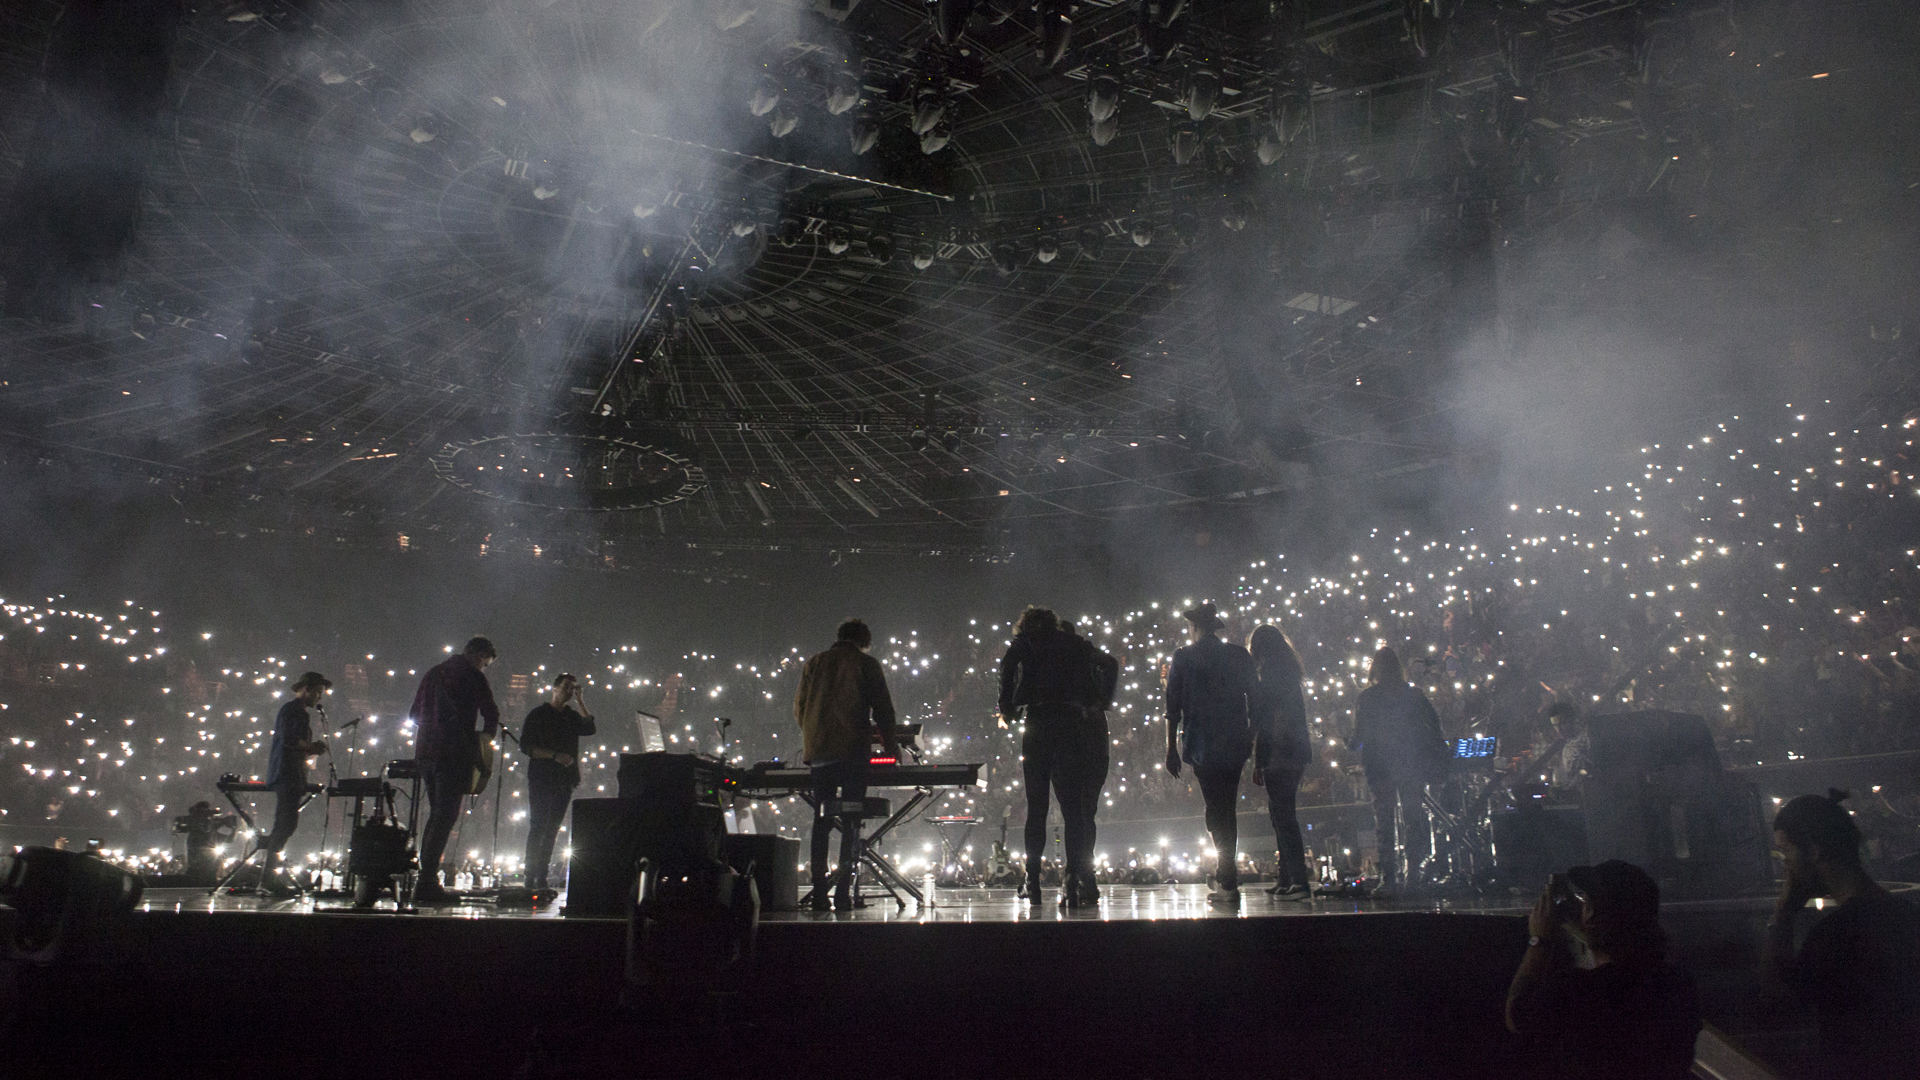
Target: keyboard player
column 293, row 744
column 842, row 698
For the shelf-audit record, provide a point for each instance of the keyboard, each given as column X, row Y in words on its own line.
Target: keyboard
column 774, row 776
column 236, row 785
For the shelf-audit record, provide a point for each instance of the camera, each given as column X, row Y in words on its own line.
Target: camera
column 1566, row 904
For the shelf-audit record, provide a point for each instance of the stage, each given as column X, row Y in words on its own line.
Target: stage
column 1119, row 903
column 1155, row 981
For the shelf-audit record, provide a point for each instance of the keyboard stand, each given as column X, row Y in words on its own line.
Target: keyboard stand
column 253, row 834
column 885, row 874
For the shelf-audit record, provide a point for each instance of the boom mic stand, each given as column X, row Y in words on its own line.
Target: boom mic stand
column 499, row 785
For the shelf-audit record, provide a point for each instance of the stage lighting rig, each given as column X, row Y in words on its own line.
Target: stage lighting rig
column 1141, row 231
column 922, row 255
column 1103, row 131
column 792, row 231
column 929, row 103
column 1046, row 248
column 838, row 240
column 880, row 246
column 1093, row 242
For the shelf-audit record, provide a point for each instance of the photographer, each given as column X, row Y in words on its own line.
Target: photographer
column 1859, row 967
column 1595, row 994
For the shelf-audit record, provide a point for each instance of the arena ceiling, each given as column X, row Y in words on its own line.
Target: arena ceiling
column 548, row 274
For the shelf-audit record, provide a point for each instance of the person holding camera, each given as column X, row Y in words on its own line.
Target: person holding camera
column 1595, row 994
column 1859, row 966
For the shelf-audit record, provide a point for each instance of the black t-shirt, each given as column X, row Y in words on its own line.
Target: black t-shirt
column 558, row 730
column 1859, row 969
column 1614, row 1022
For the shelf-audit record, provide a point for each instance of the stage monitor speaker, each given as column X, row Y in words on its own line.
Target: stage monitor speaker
column 1639, row 743
column 609, row 837
column 1534, row 841
column 776, row 867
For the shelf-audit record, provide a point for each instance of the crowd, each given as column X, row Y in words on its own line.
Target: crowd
column 1760, row 574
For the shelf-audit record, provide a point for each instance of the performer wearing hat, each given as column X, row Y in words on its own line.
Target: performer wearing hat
column 293, row 744
column 1207, row 688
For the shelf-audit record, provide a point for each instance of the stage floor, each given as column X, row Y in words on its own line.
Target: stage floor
column 1118, row 903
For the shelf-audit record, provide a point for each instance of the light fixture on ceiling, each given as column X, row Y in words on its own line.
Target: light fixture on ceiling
column 922, row 255
column 1046, row 248
column 1234, row 216
column 1006, row 258
column 792, row 231
column 951, row 440
column 1141, row 230
column 863, row 133
column 733, row 14
column 1103, row 96
column 1185, row 141
column 743, row 225
column 950, row 19
column 1056, row 30
column 843, row 92
column 1103, row 131
column 838, row 240
column 1201, row 90
column 766, row 94
column 919, row 440
column 880, row 246
column 936, row 138
column 1093, row 242
column 929, row 103
column 785, row 118
column 646, row 207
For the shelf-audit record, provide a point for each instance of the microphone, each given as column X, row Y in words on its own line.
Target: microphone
column 355, row 722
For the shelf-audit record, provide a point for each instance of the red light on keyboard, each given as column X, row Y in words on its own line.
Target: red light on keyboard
column 883, row 761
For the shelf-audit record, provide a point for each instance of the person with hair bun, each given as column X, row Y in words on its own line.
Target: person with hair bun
column 1859, row 965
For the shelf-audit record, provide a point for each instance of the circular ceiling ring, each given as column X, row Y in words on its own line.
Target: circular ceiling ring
column 566, row 470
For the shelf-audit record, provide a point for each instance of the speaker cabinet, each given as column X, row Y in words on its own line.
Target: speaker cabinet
column 776, row 867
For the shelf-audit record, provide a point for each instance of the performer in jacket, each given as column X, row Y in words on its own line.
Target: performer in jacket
column 455, row 719
column 842, row 698
column 1282, row 750
column 1207, row 689
column 1064, row 684
column 1402, row 750
column 551, row 740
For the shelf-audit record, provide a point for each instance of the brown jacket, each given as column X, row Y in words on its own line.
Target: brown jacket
column 843, row 694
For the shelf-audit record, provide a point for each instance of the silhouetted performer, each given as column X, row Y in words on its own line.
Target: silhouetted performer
column 842, row 698
column 1065, row 685
column 456, row 718
column 551, row 740
column 1402, row 749
column 293, row 743
column 1282, row 750
column 1207, row 690
column 1859, row 967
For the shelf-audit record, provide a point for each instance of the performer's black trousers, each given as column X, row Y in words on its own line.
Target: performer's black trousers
column 446, row 783
column 1221, row 790
column 1064, row 753
column 286, row 818
column 546, row 808
column 1411, row 796
column 836, row 781
column 1283, row 790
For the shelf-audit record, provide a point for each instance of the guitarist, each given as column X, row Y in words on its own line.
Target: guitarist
column 455, row 718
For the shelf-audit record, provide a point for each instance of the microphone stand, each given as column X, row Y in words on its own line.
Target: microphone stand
column 499, row 782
